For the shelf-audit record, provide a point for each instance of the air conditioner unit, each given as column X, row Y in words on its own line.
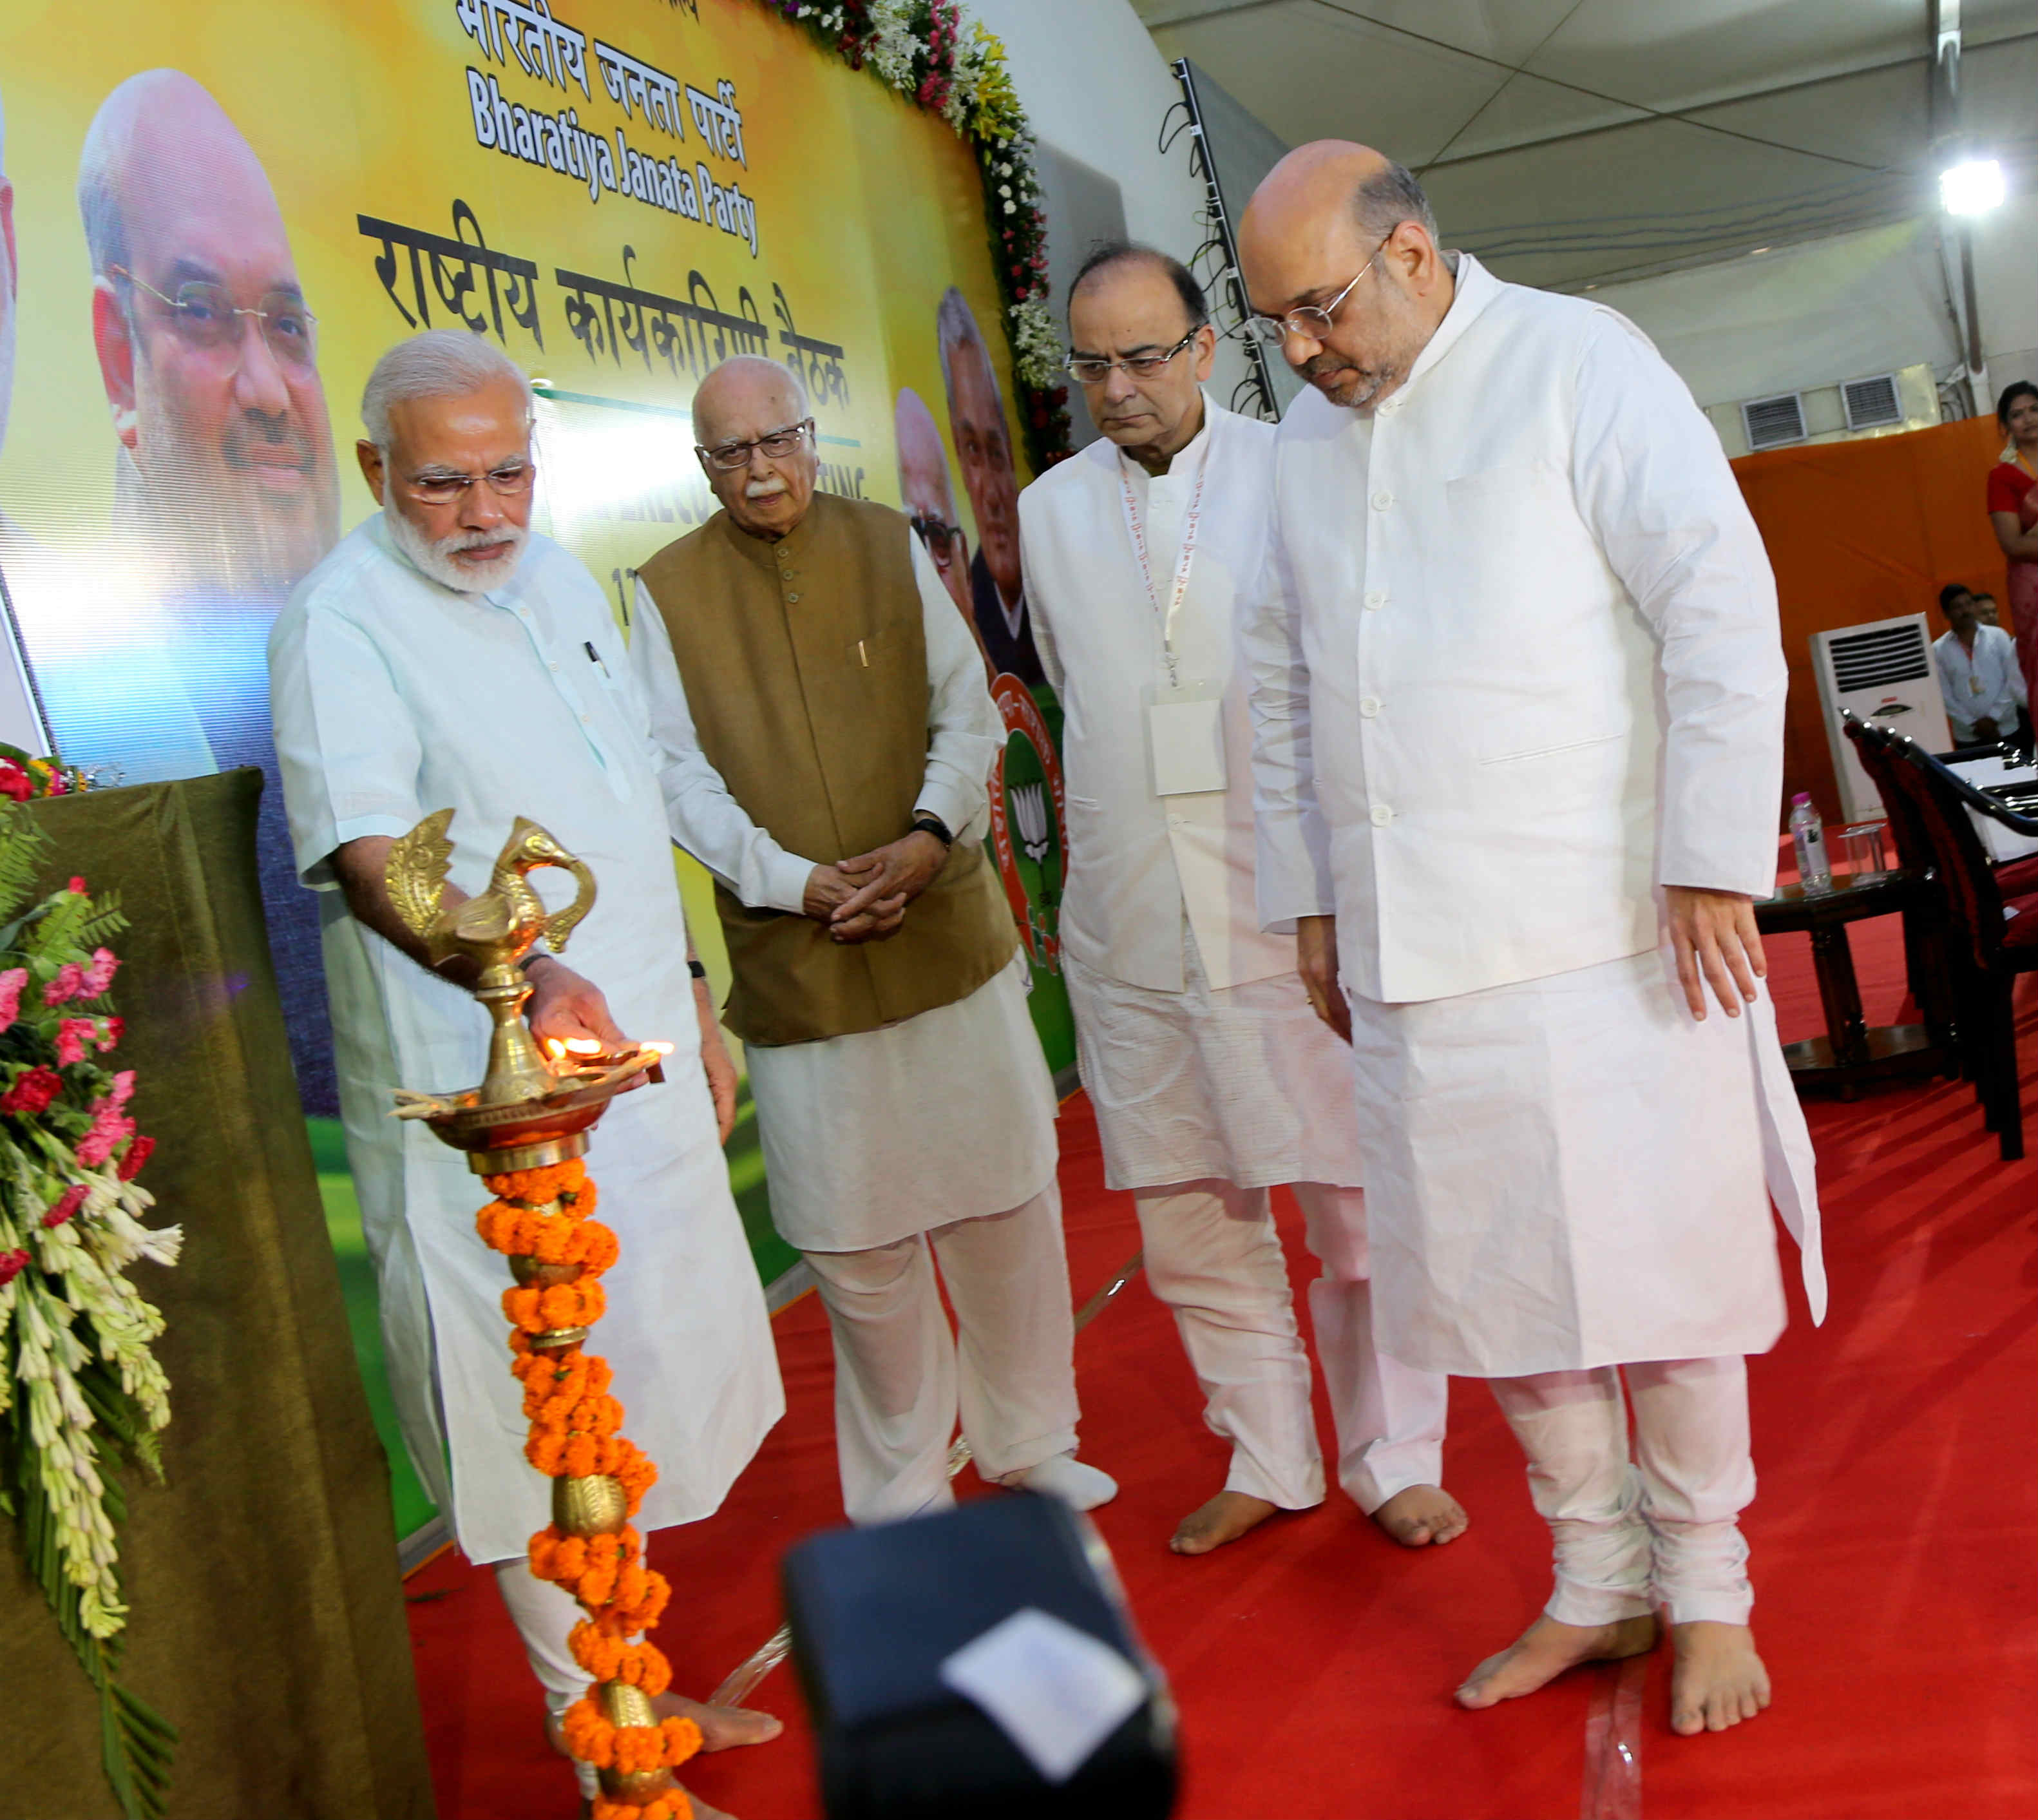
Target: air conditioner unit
column 1882, row 672
column 1872, row 403
column 1771, row 422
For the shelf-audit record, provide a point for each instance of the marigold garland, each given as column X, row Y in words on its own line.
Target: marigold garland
column 938, row 56
column 542, row 1215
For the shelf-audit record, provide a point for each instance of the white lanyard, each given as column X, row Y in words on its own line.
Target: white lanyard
column 1180, row 591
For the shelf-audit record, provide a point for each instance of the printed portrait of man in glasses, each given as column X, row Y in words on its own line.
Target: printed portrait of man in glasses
column 207, row 345
column 928, row 499
column 983, row 449
column 152, row 663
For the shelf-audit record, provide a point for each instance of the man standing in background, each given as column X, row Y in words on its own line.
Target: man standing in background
column 1981, row 680
column 983, row 447
column 827, row 734
column 1519, row 727
column 1212, row 1079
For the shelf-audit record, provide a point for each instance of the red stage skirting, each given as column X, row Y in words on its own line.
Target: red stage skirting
column 1893, row 1539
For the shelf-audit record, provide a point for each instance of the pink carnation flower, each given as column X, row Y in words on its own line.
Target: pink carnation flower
column 124, row 1089
column 72, row 1034
column 11, row 983
column 68, row 985
column 109, row 1128
column 99, row 976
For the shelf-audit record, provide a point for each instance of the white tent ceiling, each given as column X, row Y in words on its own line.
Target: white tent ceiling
column 1577, row 142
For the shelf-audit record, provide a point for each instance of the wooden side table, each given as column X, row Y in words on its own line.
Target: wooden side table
column 1850, row 1054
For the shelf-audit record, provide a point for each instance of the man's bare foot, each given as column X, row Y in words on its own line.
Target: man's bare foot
column 1421, row 1516
column 1224, row 1519
column 1719, row 1681
column 1546, row 1649
column 722, row 1727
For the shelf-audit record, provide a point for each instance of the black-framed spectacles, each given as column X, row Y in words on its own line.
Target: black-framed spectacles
column 729, row 456
column 437, row 487
column 1092, row 370
column 1312, row 321
column 206, row 316
column 938, row 535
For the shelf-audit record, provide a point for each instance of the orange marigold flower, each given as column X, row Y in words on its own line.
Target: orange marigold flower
column 602, row 1246
column 673, row 1805
column 645, row 1665
column 682, row 1739
column 604, row 1657
column 536, row 1187
column 645, row 1616
column 637, row 1748
column 589, row 1734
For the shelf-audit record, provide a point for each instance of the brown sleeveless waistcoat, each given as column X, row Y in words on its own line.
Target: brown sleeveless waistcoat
column 805, row 668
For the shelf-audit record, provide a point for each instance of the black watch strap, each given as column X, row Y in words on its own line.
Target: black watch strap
column 928, row 823
column 695, row 968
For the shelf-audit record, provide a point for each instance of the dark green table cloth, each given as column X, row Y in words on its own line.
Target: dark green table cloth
column 266, row 1619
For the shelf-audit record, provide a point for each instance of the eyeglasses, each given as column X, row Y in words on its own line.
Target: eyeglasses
column 729, row 456
column 1088, row 370
column 1312, row 322
column 938, row 535
column 205, row 315
column 435, row 486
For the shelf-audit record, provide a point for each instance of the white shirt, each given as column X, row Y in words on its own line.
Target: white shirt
column 965, row 735
column 1538, row 533
column 1986, row 684
column 1138, row 861
column 394, row 696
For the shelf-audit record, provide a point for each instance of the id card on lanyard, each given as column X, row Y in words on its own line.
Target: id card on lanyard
column 1185, row 715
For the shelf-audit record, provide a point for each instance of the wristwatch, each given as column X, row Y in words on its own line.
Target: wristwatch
column 695, row 968
column 926, row 822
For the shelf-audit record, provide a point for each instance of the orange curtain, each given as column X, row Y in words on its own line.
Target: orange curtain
column 1867, row 530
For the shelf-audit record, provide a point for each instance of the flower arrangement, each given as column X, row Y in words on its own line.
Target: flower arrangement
column 79, row 1387
column 934, row 51
column 23, row 775
column 540, row 1219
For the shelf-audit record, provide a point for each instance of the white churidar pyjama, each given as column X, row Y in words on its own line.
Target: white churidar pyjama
column 1659, row 1526
column 544, row 1614
column 931, row 1140
column 1214, row 1257
column 1205, row 1098
column 901, row 1378
column 1388, row 1417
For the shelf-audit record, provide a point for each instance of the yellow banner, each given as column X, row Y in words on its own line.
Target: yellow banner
column 224, row 211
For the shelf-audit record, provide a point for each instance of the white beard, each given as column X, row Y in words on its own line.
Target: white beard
column 436, row 560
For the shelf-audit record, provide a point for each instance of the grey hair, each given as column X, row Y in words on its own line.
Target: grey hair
column 957, row 325
column 777, row 369
column 1388, row 197
column 436, row 363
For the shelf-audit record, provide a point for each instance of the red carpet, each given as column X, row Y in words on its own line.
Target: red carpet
column 1893, row 1539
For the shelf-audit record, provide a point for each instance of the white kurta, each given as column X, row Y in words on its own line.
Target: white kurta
column 1540, row 526
column 873, row 1137
column 1196, row 1039
column 394, row 696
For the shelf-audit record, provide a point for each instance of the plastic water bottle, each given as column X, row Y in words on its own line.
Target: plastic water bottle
column 1808, row 834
